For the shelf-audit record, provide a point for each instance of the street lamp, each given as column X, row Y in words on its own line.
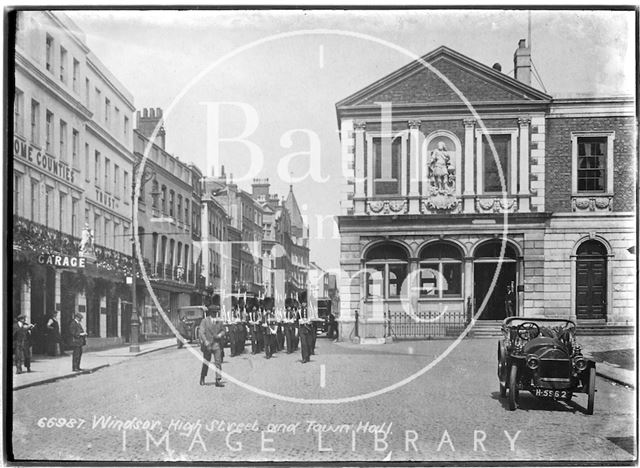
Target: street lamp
column 134, row 345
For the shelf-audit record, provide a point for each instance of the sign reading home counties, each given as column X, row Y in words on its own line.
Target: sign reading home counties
column 36, row 156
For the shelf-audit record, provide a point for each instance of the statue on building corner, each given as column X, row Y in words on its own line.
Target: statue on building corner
column 86, row 240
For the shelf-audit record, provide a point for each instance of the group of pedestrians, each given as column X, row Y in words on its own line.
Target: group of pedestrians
column 269, row 331
column 54, row 344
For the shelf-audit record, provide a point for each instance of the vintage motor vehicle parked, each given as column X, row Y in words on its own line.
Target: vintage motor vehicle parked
column 190, row 318
column 541, row 355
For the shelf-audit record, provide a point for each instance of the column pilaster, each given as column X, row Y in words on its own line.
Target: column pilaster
column 524, row 192
column 414, row 165
column 359, row 194
column 468, row 194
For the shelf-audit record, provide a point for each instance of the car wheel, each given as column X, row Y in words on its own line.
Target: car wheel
column 513, row 387
column 502, row 366
column 591, row 390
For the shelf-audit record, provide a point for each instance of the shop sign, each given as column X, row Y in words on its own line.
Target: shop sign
column 22, row 150
column 61, row 261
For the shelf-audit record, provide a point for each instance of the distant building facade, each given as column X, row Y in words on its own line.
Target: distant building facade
column 164, row 225
column 527, row 204
column 285, row 247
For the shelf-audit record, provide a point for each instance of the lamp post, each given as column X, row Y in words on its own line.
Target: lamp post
column 134, row 345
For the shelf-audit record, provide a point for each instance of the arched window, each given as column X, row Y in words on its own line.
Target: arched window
column 493, row 249
column 440, row 271
column 386, row 271
column 592, row 248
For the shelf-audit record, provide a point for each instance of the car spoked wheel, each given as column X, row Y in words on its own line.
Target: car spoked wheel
column 591, row 390
column 502, row 370
column 513, row 387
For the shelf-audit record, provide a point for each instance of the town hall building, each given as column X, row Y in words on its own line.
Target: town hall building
column 484, row 199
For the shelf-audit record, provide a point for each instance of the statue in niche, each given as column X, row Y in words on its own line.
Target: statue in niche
column 442, row 177
column 441, row 170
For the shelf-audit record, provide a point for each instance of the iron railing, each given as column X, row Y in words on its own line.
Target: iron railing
column 425, row 325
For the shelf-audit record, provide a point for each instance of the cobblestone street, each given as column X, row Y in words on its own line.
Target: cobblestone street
column 450, row 413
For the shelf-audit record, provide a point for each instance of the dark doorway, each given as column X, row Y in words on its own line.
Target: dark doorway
column 483, row 273
column 93, row 314
column 67, row 302
column 112, row 315
column 42, row 301
column 591, row 281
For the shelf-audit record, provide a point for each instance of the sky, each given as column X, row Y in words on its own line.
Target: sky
column 264, row 79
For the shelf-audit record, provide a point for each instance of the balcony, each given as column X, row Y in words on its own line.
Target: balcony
column 30, row 237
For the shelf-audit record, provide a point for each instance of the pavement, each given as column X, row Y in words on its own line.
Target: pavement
column 46, row 369
column 354, row 403
column 614, row 356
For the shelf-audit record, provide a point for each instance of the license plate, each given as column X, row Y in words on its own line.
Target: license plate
column 550, row 393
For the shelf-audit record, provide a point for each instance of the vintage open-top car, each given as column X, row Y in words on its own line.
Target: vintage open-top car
column 190, row 318
column 541, row 355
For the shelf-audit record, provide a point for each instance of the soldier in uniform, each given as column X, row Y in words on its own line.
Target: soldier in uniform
column 280, row 331
column 211, row 333
column 270, row 330
column 288, row 330
column 253, row 321
column 22, row 344
column 233, row 337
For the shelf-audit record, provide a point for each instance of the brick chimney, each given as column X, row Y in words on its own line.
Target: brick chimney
column 522, row 62
column 146, row 123
column 260, row 189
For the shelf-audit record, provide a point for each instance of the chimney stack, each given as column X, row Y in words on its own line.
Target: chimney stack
column 522, row 63
column 260, row 188
column 146, row 123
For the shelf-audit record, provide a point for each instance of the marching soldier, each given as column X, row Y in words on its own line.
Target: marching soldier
column 270, row 330
column 211, row 333
column 254, row 319
column 286, row 325
column 231, row 330
column 280, row 332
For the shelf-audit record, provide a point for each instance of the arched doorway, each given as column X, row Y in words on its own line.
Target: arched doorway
column 591, row 281
column 487, row 258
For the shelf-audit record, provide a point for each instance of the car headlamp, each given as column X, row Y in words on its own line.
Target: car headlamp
column 580, row 363
column 533, row 362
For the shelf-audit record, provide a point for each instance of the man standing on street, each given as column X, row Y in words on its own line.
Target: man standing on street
column 211, row 333
column 78, row 338
column 22, row 344
column 305, row 339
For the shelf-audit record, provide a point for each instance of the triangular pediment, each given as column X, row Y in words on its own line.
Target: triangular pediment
column 417, row 83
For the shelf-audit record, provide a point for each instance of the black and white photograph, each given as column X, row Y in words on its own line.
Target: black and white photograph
column 319, row 235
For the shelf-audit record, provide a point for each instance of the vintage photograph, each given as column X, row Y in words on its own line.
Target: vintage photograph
column 320, row 235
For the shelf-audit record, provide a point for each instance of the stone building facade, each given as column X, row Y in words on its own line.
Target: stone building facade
column 72, row 164
column 483, row 196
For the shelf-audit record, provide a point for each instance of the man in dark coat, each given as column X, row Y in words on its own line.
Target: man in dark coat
column 53, row 335
column 253, row 320
column 77, row 339
column 305, row 329
column 22, row 344
column 211, row 333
